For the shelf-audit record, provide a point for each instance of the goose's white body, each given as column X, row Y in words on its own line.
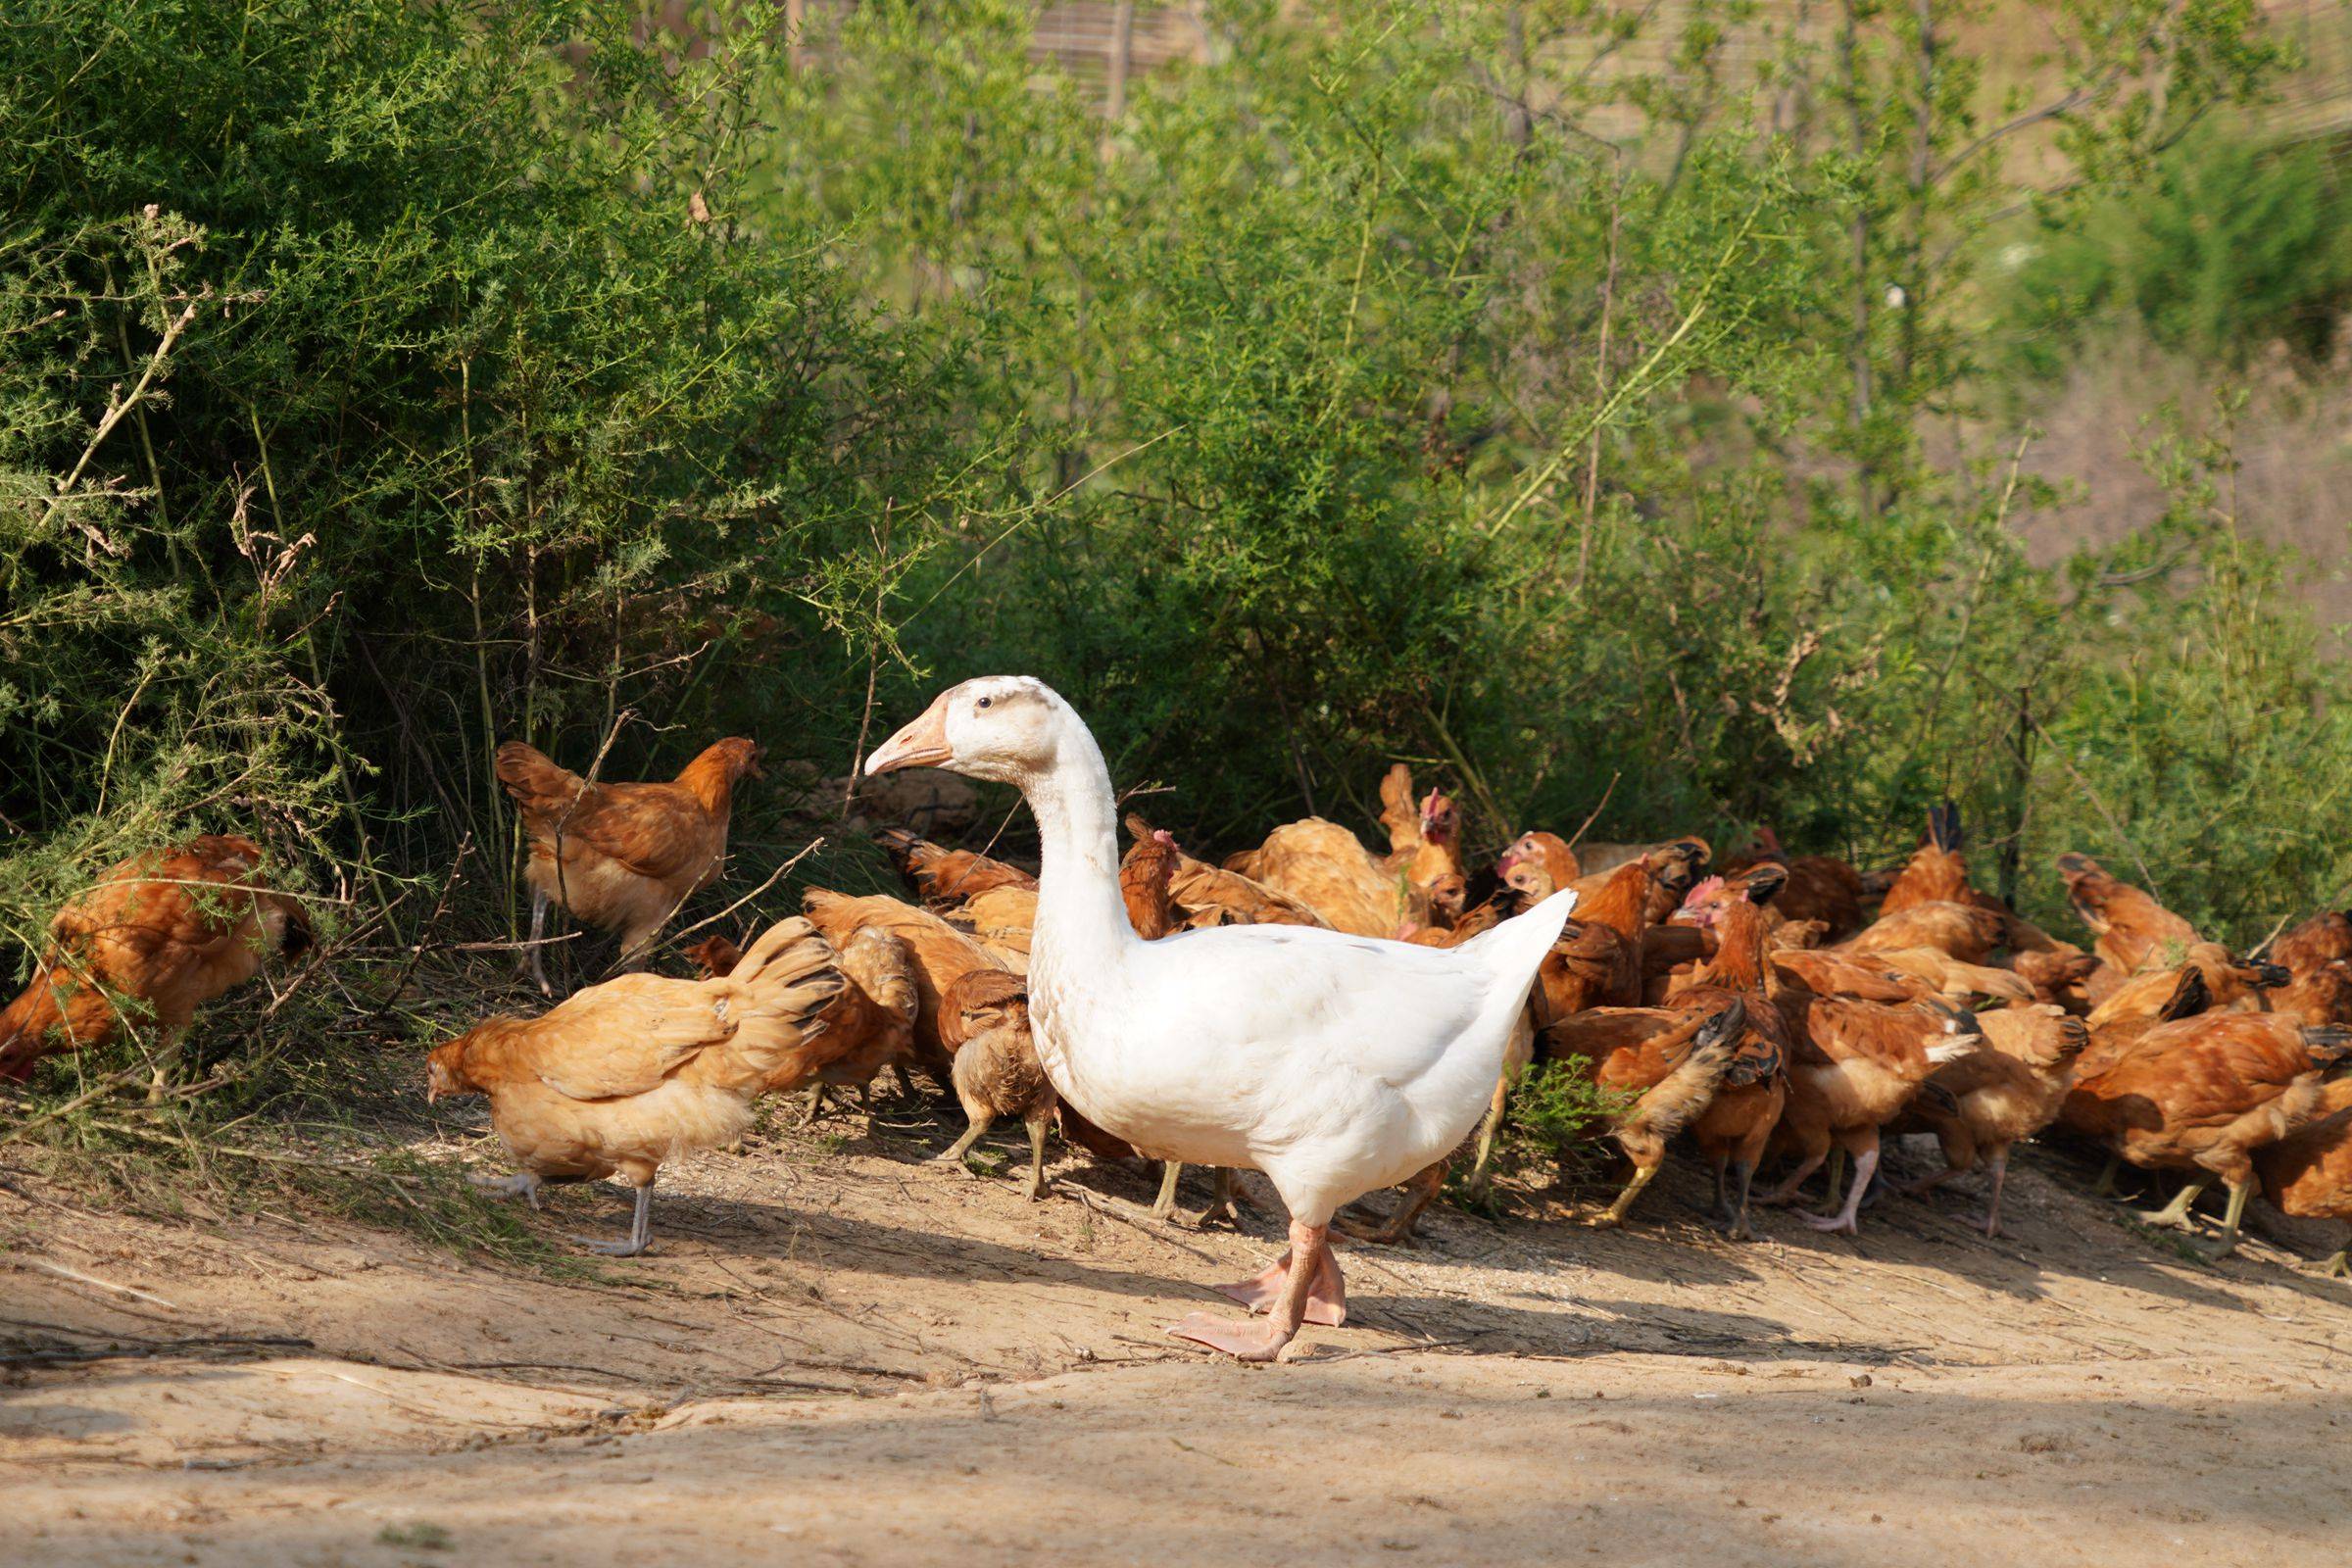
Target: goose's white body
column 1337, row 1065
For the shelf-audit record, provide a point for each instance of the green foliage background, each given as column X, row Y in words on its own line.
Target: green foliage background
column 383, row 378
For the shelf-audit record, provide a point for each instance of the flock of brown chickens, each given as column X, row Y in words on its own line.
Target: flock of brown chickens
column 1766, row 1011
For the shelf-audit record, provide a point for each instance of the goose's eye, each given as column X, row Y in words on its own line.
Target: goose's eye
column 984, row 700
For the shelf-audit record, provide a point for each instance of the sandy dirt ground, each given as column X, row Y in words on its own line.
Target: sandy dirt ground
column 841, row 1354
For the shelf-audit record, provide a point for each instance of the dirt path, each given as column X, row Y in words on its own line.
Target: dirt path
column 849, row 1356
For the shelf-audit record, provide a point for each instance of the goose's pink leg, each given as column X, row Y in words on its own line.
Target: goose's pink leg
column 1326, row 1298
column 1313, row 1279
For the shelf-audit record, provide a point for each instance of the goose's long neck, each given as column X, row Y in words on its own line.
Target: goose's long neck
column 1081, row 920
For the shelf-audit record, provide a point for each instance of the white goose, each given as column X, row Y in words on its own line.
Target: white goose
column 1336, row 1065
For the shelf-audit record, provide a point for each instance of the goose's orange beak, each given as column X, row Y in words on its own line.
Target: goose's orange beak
column 921, row 744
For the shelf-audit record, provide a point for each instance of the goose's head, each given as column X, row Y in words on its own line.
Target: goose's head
column 1005, row 728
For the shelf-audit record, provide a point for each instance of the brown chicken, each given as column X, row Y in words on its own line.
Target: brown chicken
column 1856, row 1067
column 1327, row 868
column 2000, row 1095
column 1538, row 864
column 1958, row 931
column 872, row 1019
column 2325, row 938
column 2230, row 985
column 2320, row 995
column 2308, row 1173
column 1937, row 874
column 157, row 937
column 623, row 1075
column 622, row 857
column 1821, row 887
column 947, row 876
column 2201, row 1094
column 1597, row 961
column 984, row 1021
column 1211, row 895
column 1424, row 840
column 2059, row 973
column 1739, row 1121
column 940, row 953
column 2134, row 932
column 1665, row 1063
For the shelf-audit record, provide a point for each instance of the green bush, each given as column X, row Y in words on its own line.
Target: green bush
column 2228, row 247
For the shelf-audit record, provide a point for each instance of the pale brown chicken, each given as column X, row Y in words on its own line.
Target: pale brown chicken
column 1960, row 931
column 1424, row 839
column 2308, row 1173
column 1538, row 864
column 984, row 1023
column 622, row 857
column 2201, row 1094
column 946, row 876
column 620, row 1077
column 1999, row 1097
column 1326, row 867
column 157, row 936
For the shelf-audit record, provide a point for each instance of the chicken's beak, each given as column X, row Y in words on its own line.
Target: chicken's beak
column 921, row 744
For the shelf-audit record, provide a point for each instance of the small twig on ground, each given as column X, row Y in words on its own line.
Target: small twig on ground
column 80, row 1278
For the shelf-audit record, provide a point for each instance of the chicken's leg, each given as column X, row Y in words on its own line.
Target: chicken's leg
column 1834, row 1179
column 522, row 1184
column 2104, row 1187
column 2176, row 1215
column 1488, row 1129
column 1866, row 1163
column 815, row 1103
column 1165, row 1203
column 1311, row 1281
column 1739, row 1229
column 1037, row 1155
column 1224, row 1198
column 1990, row 1224
column 641, row 1230
column 1786, row 1193
column 2339, row 1266
column 539, row 931
column 961, row 1146
column 1419, row 1194
column 1614, row 1215
column 2228, row 1241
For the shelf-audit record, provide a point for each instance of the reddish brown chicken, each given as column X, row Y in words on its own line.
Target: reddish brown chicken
column 2308, row 1173
column 937, row 951
column 622, row 857
column 1821, row 887
column 157, row 937
column 2231, row 985
column 948, row 876
column 1668, row 1063
column 1211, row 896
column 1856, row 1067
column 2201, row 1094
column 2134, row 932
column 622, row 1076
column 1739, row 1121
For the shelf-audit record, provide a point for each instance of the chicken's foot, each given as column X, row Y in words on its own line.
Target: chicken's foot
column 1036, row 1157
column 1866, row 1164
column 522, row 1184
column 1419, row 1194
column 2226, row 1243
column 1614, row 1215
column 2175, row 1215
column 961, row 1146
column 1165, row 1203
column 641, row 1230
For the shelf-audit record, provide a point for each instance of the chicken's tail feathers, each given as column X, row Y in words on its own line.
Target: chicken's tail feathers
column 534, row 779
column 1669, row 1105
column 2330, row 1044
